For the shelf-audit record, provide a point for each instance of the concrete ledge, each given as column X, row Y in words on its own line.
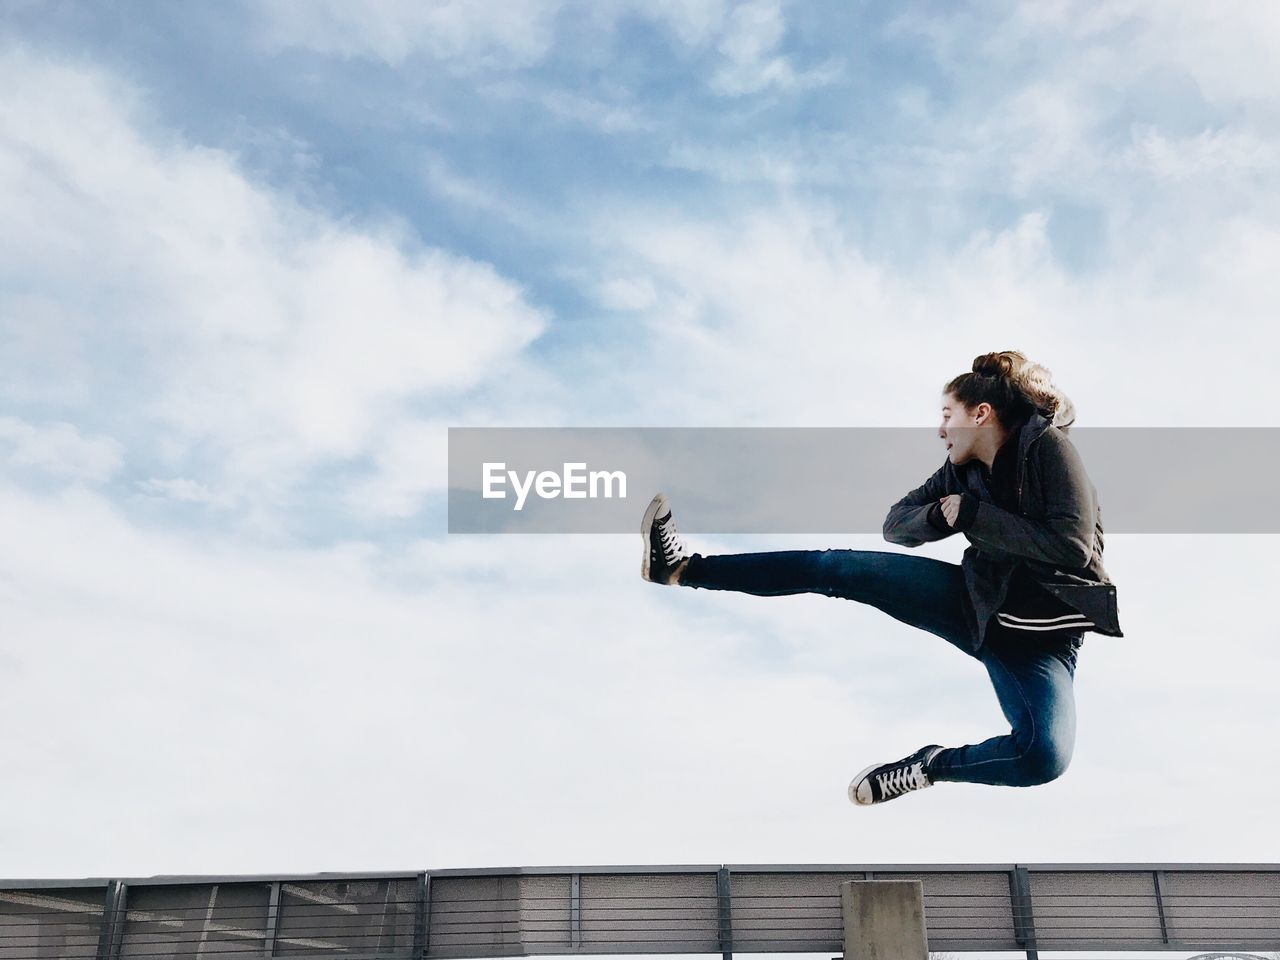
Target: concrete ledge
column 884, row 920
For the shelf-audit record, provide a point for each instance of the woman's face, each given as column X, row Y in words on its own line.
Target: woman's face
column 960, row 426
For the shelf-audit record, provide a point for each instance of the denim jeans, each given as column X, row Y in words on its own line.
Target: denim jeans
column 1032, row 672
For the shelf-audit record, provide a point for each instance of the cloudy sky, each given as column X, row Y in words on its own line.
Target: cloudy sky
column 256, row 258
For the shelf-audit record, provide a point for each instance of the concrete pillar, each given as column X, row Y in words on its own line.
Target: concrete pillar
column 884, row 920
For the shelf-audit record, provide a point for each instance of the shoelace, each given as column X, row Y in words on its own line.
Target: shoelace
column 902, row 779
column 673, row 546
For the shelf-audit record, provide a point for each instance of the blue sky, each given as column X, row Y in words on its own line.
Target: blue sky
column 258, row 257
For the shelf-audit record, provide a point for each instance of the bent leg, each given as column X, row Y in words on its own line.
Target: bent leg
column 921, row 591
column 1035, row 689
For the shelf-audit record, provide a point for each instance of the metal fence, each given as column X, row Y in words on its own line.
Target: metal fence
column 634, row 910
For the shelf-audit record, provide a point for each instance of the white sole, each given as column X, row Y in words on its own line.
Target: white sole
column 650, row 514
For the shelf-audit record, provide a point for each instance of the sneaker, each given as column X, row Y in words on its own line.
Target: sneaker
column 888, row 780
column 664, row 548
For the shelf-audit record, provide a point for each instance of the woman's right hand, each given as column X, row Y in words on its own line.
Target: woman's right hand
column 950, row 508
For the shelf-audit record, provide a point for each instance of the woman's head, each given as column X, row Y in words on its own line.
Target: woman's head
column 1001, row 390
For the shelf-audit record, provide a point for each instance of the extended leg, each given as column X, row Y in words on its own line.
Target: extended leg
column 921, row 591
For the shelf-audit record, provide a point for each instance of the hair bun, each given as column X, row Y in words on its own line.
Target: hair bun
column 993, row 365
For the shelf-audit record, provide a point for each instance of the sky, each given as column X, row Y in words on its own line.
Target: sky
column 257, row 258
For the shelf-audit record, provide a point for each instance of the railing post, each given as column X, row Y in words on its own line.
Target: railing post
column 1158, row 877
column 273, row 921
column 884, row 920
column 724, row 899
column 422, row 918
column 113, row 916
column 575, row 911
column 1024, row 921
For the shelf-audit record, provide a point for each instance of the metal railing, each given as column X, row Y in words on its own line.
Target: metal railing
column 633, row 910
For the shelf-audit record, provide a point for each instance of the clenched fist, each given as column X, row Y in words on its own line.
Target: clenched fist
column 950, row 508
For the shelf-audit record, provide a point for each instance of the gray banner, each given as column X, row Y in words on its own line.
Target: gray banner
column 830, row 480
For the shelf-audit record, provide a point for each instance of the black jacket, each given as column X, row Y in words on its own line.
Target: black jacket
column 1056, row 535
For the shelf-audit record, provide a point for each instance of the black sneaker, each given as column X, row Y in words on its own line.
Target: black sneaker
column 888, row 780
column 664, row 548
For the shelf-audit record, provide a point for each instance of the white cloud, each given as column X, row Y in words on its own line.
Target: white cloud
column 1229, row 48
column 742, row 40
column 410, row 460
column 751, row 59
column 59, row 450
column 1216, row 154
column 780, row 317
column 532, row 692
column 749, row 45
column 889, row 263
column 475, row 679
column 252, row 332
column 181, row 490
column 1080, row 100
column 393, row 30
column 606, row 117
column 693, row 22
column 627, row 293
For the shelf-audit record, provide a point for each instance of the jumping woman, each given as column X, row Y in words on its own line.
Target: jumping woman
column 1028, row 587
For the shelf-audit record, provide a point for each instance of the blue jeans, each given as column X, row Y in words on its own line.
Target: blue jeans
column 1032, row 672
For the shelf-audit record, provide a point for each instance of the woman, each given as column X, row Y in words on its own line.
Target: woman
column 1028, row 587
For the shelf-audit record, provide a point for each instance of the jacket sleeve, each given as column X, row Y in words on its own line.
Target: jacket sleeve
column 908, row 520
column 1064, row 537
